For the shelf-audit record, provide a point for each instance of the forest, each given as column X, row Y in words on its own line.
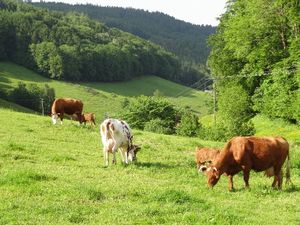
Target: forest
column 73, row 47
column 186, row 40
column 255, row 62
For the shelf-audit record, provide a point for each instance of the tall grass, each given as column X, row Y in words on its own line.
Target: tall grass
column 55, row 175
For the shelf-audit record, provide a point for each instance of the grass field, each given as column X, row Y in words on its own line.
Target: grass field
column 102, row 98
column 55, row 175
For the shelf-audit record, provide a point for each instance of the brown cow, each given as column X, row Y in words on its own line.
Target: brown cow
column 204, row 156
column 68, row 106
column 251, row 153
column 88, row 117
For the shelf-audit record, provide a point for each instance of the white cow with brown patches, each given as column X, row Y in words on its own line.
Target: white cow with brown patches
column 116, row 134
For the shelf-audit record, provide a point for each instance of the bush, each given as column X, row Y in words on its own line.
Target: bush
column 143, row 109
column 189, row 124
column 214, row 133
column 157, row 126
column 235, row 110
column 275, row 97
column 31, row 96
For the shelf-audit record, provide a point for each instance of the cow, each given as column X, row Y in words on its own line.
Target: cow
column 251, row 153
column 68, row 106
column 204, row 156
column 116, row 134
column 88, row 117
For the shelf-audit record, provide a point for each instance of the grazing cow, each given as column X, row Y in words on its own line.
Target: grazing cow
column 116, row 134
column 68, row 106
column 205, row 156
column 88, row 117
column 251, row 153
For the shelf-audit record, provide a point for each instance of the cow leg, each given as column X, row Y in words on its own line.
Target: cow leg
column 114, row 161
column 79, row 116
column 246, row 173
column 126, row 157
column 230, row 183
column 275, row 181
column 114, row 150
column 106, row 157
column 61, row 116
column 277, row 178
column 122, row 155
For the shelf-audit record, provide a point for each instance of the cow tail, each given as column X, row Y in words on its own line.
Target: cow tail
column 288, row 170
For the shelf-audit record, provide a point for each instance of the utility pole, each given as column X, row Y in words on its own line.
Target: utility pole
column 215, row 101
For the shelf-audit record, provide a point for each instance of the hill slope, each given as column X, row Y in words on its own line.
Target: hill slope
column 54, row 175
column 73, row 47
column 184, row 39
column 103, row 98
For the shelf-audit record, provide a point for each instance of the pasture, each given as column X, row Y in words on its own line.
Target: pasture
column 98, row 97
column 55, row 175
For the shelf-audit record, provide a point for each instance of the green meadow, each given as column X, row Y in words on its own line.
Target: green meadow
column 54, row 174
column 107, row 98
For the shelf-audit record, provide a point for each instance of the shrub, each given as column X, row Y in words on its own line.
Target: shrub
column 235, row 110
column 189, row 124
column 275, row 96
column 144, row 109
column 157, row 126
column 30, row 96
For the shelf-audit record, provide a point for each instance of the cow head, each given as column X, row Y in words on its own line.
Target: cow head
column 54, row 118
column 203, row 166
column 213, row 176
column 132, row 152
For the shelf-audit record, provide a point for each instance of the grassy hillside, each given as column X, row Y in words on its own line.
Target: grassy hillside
column 107, row 97
column 55, row 175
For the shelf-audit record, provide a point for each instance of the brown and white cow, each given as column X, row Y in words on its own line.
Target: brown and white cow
column 116, row 134
column 251, row 153
column 89, row 117
column 68, row 106
column 205, row 156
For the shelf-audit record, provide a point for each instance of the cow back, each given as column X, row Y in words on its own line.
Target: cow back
column 260, row 153
column 67, row 105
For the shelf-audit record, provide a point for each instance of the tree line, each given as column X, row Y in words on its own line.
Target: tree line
column 73, row 47
column 255, row 59
column 186, row 40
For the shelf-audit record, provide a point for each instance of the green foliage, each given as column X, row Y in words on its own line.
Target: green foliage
column 296, row 106
column 189, row 124
column 107, row 98
column 234, row 110
column 275, row 96
column 259, row 40
column 73, row 47
column 31, row 96
column 215, row 132
column 48, row 59
column 159, row 111
column 157, row 126
column 184, row 39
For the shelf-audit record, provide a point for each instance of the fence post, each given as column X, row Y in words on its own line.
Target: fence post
column 42, row 105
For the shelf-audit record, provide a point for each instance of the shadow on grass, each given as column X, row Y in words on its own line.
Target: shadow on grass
column 154, row 165
column 291, row 188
